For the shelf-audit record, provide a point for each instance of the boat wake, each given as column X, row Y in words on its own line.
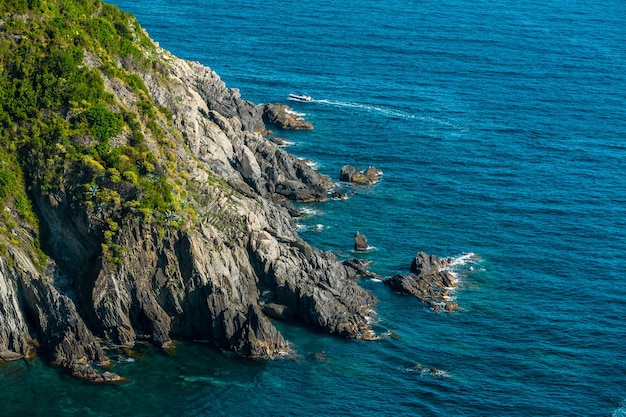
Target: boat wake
column 391, row 113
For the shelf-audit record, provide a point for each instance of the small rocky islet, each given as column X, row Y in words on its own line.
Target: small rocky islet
column 152, row 207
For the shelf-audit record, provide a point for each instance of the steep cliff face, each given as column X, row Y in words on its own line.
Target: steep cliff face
column 157, row 212
column 222, row 131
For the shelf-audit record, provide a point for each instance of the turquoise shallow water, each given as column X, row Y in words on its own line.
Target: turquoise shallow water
column 501, row 131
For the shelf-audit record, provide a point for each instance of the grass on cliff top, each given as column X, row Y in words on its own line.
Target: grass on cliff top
column 62, row 132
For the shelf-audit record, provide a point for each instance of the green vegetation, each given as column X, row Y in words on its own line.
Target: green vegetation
column 61, row 131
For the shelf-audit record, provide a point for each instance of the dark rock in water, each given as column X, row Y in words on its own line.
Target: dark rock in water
column 283, row 117
column 111, row 377
column 338, row 195
column 428, row 281
column 359, row 267
column 351, row 174
column 425, row 264
column 356, row 176
column 86, row 371
column 360, row 242
column 372, row 174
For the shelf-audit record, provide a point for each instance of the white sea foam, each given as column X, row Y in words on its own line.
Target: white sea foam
column 371, row 248
column 621, row 411
column 313, row 164
column 462, row 264
column 310, row 227
column 295, row 113
column 372, row 317
column 464, row 259
column 307, row 211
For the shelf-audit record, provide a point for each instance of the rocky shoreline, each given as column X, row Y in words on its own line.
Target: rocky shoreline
column 218, row 275
column 218, row 264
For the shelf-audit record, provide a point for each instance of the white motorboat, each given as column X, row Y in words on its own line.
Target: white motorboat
column 300, row 97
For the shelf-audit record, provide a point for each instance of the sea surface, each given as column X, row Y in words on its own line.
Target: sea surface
column 500, row 128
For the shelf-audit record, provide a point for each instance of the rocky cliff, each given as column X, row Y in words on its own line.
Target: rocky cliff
column 149, row 207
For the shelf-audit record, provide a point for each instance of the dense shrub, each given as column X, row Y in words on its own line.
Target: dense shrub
column 57, row 119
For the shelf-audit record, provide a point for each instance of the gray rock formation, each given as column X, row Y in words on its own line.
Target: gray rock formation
column 429, row 281
column 230, row 147
column 33, row 308
column 283, row 117
column 359, row 268
column 216, row 276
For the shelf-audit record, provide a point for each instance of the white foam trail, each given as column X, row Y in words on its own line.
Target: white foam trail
column 390, row 112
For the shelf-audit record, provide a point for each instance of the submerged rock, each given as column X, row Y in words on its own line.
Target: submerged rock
column 429, row 281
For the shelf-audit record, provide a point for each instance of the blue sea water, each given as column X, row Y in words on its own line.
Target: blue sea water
column 501, row 131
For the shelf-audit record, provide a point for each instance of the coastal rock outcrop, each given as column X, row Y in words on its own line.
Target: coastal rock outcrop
column 234, row 150
column 283, row 117
column 35, row 311
column 360, row 268
column 429, row 281
column 171, row 228
column 356, row 176
column 360, row 242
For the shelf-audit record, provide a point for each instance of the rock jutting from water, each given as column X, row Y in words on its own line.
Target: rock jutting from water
column 359, row 268
column 429, row 281
column 211, row 262
column 283, row 117
column 356, row 176
column 360, row 242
